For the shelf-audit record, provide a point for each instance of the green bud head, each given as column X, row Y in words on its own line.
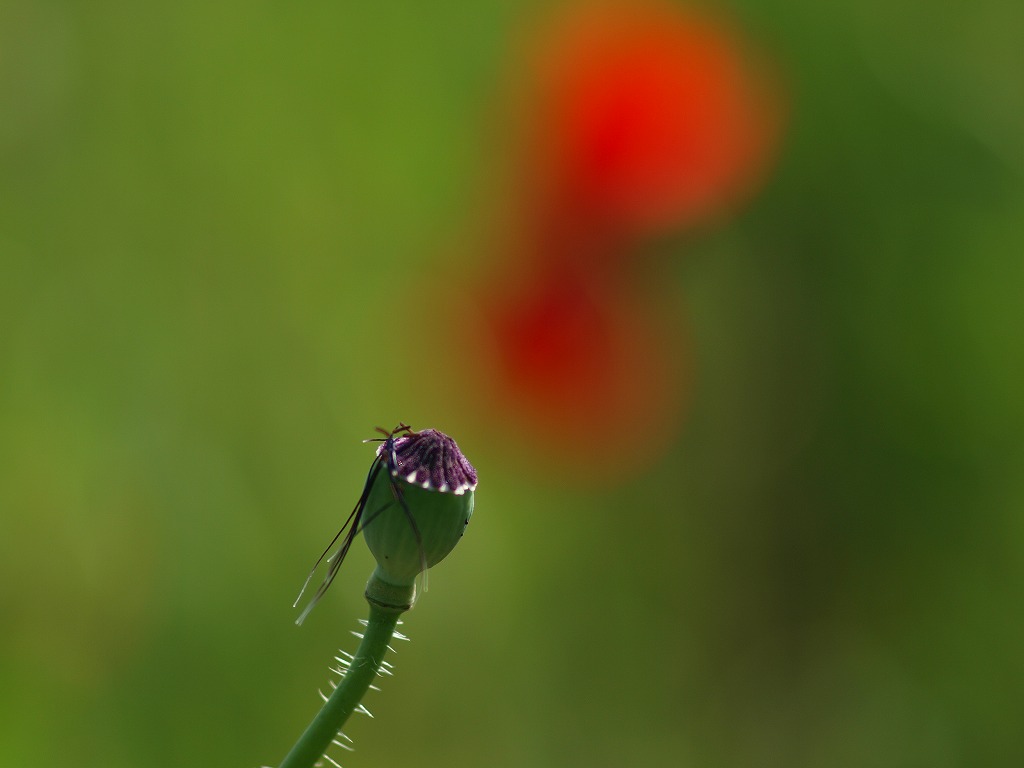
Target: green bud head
column 419, row 504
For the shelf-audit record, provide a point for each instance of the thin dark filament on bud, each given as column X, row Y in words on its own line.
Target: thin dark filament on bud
column 355, row 523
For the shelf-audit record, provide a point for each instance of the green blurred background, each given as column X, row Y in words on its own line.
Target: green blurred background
column 214, row 223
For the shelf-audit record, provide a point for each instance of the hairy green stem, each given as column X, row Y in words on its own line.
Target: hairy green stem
column 387, row 603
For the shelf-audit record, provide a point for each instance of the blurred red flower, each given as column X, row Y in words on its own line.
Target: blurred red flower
column 638, row 118
column 648, row 114
column 570, row 356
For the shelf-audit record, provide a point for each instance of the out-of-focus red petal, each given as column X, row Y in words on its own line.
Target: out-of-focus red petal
column 649, row 114
column 562, row 357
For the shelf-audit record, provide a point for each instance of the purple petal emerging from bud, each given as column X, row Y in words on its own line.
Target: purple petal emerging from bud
column 432, row 460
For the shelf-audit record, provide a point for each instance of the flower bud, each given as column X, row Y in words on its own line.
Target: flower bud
column 418, row 505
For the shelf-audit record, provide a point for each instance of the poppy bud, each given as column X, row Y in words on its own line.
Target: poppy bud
column 414, row 507
column 418, row 505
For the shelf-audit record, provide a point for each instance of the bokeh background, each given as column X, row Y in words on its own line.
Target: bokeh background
column 235, row 237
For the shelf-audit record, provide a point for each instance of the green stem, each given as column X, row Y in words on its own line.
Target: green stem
column 387, row 603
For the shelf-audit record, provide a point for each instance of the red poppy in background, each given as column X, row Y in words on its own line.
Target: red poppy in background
column 568, row 356
column 648, row 115
column 639, row 118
